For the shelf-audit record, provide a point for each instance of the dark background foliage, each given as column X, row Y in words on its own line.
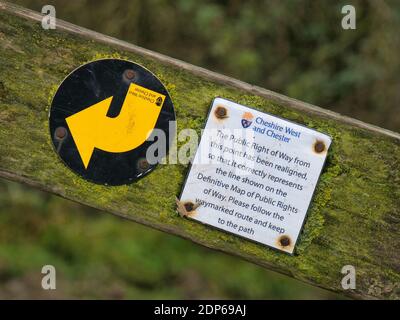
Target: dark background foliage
column 297, row 48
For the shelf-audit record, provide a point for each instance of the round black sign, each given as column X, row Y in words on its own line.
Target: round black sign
column 101, row 117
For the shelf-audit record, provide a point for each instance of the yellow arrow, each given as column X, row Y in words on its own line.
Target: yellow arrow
column 91, row 128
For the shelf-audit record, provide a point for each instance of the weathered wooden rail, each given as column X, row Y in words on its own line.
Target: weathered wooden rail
column 354, row 218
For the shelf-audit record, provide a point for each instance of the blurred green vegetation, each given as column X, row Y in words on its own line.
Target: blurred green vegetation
column 102, row 256
column 297, row 48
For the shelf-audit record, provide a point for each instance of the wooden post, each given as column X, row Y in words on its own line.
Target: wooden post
column 354, row 218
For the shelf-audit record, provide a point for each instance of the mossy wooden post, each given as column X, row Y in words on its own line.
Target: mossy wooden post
column 354, row 218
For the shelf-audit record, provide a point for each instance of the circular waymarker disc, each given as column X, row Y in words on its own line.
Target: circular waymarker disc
column 101, row 117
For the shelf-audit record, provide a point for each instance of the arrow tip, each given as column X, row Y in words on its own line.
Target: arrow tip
column 84, row 127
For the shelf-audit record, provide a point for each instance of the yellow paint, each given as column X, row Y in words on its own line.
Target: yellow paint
column 91, row 128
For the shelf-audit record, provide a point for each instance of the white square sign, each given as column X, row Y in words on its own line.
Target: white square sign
column 254, row 174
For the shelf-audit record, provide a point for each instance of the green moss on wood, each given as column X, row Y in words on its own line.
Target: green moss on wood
column 354, row 210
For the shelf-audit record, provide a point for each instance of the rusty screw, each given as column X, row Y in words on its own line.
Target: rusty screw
column 221, row 112
column 129, row 74
column 60, row 133
column 189, row 206
column 319, row 146
column 143, row 164
column 284, row 241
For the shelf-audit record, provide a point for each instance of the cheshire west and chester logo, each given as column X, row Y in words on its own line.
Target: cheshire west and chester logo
column 247, row 119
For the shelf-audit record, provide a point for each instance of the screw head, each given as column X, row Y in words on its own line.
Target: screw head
column 189, row 206
column 129, row 74
column 284, row 241
column 221, row 112
column 143, row 164
column 319, row 146
column 60, row 133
